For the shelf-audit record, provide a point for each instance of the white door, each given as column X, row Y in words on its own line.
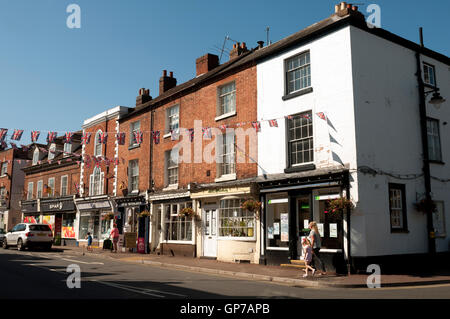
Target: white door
column 209, row 232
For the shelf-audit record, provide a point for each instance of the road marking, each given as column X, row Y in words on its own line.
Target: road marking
column 83, row 262
column 128, row 289
column 145, row 291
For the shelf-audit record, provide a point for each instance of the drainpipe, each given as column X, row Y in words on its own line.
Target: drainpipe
column 426, row 163
column 347, row 188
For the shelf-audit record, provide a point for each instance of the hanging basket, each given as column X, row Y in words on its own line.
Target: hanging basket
column 144, row 213
column 187, row 212
column 108, row 216
column 338, row 205
column 425, row 206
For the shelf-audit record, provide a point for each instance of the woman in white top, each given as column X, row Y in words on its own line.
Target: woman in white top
column 314, row 238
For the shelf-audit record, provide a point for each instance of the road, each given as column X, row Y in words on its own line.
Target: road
column 43, row 275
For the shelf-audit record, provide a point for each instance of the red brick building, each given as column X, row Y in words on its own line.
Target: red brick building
column 11, row 185
column 51, row 185
column 201, row 158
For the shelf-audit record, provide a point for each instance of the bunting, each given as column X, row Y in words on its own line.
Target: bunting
column 3, row 133
column 257, row 126
column 68, row 138
column 120, row 137
column 207, row 135
column 86, row 139
column 273, row 123
column 103, row 138
column 35, row 136
column 191, row 134
column 51, row 137
column 138, row 137
column 156, row 137
column 17, row 135
column 321, row 115
column 13, row 145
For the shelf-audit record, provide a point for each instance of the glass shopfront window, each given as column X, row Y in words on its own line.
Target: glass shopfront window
column 89, row 224
column 177, row 228
column 276, row 207
column 68, row 230
column 105, row 228
column 235, row 221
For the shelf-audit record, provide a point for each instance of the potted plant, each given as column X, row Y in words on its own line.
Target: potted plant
column 425, row 206
column 186, row 212
column 338, row 205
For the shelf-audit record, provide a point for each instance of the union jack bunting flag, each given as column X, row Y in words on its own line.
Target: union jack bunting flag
column 77, row 187
column 50, row 161
column 51, row 137
column 223, row 127
column 35, row 136
column 68, row 137
column 306, row 116
column 207, row 133
column 257, row 126
column 3, row 144
column 120, row 137
column 191, row 134
column 273, row 123
column 103, row 138
column 322, row 116
column 86, row 138
column 116, row 161
column 238, row 124
column 3, row 132
column 17, row 134
column 156, row 136
column 138, row 136
column 43, row 150
column 13, row 145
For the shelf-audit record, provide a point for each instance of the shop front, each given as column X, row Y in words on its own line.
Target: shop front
column 172, row 233
column 94, row 217
column 290, row 204
column 60, row 215
column 30, row 211
column 130, row 219
column 227, row 232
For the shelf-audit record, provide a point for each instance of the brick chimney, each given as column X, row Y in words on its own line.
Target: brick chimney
column 206, row 63
column 237, row 50
column 166, row 82
column 344, row 8
column 143, row 97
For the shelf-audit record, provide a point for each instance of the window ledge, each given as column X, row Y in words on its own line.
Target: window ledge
column 134, row 146
column 224, row 178
column 167, row 135
column 224, row 116
column 300, row 168
column 436, row 162
column 297, row 93
column 250, row 239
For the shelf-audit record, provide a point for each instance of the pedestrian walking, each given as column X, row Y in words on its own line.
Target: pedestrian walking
column 89, row 242
column 307, row 253
column 115, row 237
column 314, row 238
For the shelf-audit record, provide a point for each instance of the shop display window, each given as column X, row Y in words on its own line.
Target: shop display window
column 177, row 228
column 234, row 221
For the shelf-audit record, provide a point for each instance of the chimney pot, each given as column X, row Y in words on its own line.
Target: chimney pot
column 171, row 74
column 260, row 44
column 164, row 72
column 336, row 8
column 144, row 96
column 243, row 45
column 355, row 8
column 349, row 6
column 343, row 5
column 166, row 83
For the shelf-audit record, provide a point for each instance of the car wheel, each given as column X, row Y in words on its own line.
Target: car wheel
column 20, row 245
column 5, row 244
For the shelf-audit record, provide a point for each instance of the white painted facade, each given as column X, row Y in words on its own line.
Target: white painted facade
column 367, row 87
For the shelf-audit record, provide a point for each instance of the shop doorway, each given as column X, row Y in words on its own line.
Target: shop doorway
column 209, row 232
column 304, row 216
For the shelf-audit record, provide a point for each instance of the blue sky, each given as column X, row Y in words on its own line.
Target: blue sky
column 53, row 77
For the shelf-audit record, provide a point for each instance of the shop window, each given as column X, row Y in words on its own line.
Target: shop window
column 88, row 224
column 68, row 230
column 177, row 228
column 234, row 221
column 275, row 209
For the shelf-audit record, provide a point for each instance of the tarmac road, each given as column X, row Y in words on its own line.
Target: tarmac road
column 43, row 275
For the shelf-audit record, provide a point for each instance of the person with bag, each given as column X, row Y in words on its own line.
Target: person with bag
column 314, row 238
column 115, row 237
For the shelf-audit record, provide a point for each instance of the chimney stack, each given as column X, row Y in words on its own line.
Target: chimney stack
column 238, row 49
column 143, row 97
column 342, row 9
column 166, row 82
column 260, row 44
column 206, row 63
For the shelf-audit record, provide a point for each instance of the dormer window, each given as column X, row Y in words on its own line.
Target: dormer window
column 35, row 156
column 67, row 149
column 51, row 151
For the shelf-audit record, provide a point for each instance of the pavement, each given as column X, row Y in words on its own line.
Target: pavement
column 276, row 274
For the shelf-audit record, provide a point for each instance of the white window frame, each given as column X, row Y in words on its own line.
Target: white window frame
column 426, row 74
column 310, row 137
column 66, row 177
column 222, row 96
column 133, row 128
column 67, row 149
column 434, row 140
column 30, row 190
column 224, row 142
column 169, row 168
column 4, row 170
column 92, row 182
column 52, row 179
column 305, row 76
column 97, row 144
column 170, row 118
column 39, row 188
column 3, row 192
column 168, row 221
column 51, row 148
column 35, row 156
column 131, row 165
column 242, row 216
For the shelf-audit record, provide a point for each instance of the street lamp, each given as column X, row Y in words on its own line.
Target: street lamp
column 436, row 99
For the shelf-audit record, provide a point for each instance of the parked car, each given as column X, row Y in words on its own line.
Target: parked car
column 2, row 235
column 29, row 235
